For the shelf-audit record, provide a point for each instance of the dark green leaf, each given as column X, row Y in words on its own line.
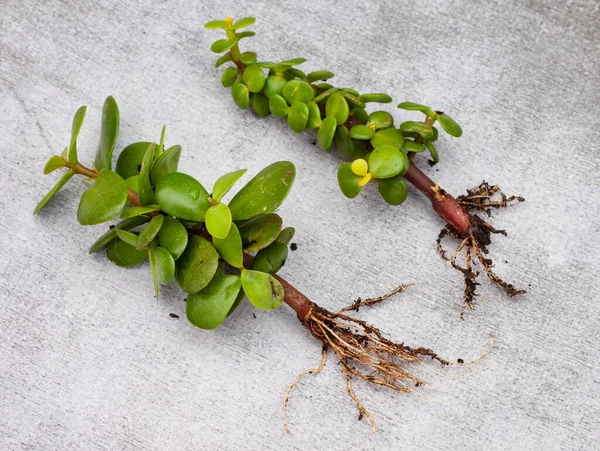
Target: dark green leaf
column 425, row 131
column 223, row 59
column 55, row 162
column 145, row 190
column 61, row 182
column 126, row 224
column 130, row 159
column 386, row 161
column 411, row 106
column 265, row 192
column 353, row 101
column 271, row 259
column 262, row 289
column 412, row 146
column 259, row 232
column 295, row 73
column 230, row 248
column 260, row 104
column 149, row 233
column 182, row 196
column 104, row 200
column 273, row 85
column 245, row 34
column 432, row 150
column 197, row 265
column 238, row 300
column 208, row 308
column 360, row 115
column 449, row 125
column 286, row 235
column 138, row 211
column 108, row 134
column 348, row 180
column 248, row 57
column 173, row 237
column 319, row 75
column 352, row 92
column 393, row 190
column 343, row 144
column 123, row 254
column 163, row 266
column 167, row 163
column 241, row 95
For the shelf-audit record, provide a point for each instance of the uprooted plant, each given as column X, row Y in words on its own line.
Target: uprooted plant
column 219, row 253
column 380, row 152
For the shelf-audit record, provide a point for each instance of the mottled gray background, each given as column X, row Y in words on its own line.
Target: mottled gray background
column 90, row 360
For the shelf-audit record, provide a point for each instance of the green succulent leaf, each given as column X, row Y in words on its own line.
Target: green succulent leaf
column 215, row 24
column 226, row 57
column 326, row 132
column 377, row 97
column 254, row 77
column 319, row 75
column 173, row 237
column 337, row 107
column 297, row 91
column 411, row 106
column 138, row 211
column 271, row 259
column 61, row 182
column 167, row 163
column 104, row 200
column 218, row 221
column 108, row 134
column 133, row 183
column 243, row 23
column 265, row 192
column 75, row 129
column 229, row 76
column 412, row 146
column 123, row 254
column 361, row 132
column 230, row 248
column 360, row 115
column 222, row 45
column 352, row 92
column 262, row 289
column 55, row 162
column 260, row 104
column 259, row 232
column 248, row 58
column 343, row 144
column 389, row 136
column 182, row 196
column 130, row 159
column 432, row 150
column 145, row 190
column 286, row 235
column 197, row 265
column 245, row 34
column 241, row 95
column 393, row 190
column 449, row 125
column 425, row 131
column 149, row 233
column 208, row 308
column 128, row 237
column 162, row 264
column 238, row 300
column 297, row 117
column 314, row 115
column 348, row 180
column 273, row 85
column 354, row 101
column 325, row 95
column 380, row 120
column 387, row 161
column 125, row 225
column 278, row 106
column 295, row 73
column 225, row 182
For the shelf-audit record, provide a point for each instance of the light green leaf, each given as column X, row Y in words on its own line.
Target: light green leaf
column 262, row 289
column 348, row 180
column 138, row 211
column 411, row 106
column 222, row 45
column 243, row 23
column 225, row 182
column 61, row 182
column 389, row 136
column 150, row 232
column 130, row 159
column 165, row 164
column 218, row 221
column 55, row 162
column 230, row 248
column 129, row 237
column 104, row 200
column 326, row 132
column 215, row 24
column 226, row 57
column 379, row 98
column 126, row 224
column 449, row 125
column 108, row 134
column 386, row 161
column 208, row 308
column 75, row 129
column 162, row 264
column 145, row 190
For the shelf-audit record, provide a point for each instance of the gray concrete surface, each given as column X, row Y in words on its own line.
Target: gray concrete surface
column 89, row 360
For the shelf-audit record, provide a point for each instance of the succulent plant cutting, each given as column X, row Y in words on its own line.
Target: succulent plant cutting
column 219, row 253
column 379, row 151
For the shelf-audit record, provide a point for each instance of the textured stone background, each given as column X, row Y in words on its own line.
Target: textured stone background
column 89, row 360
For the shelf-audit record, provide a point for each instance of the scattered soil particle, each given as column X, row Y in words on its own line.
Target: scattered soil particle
column 293, row 246
column 173, row 315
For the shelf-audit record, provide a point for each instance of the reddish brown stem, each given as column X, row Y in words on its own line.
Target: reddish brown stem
column 443, row 203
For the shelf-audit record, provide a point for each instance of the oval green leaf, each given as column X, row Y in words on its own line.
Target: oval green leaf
column 75, row 129
column 108, row 134
column 319, row 75
column 314, row 115
column 222, row 45
column 259, row 232
column 173, row 236
column 386, row 161
column 208, row 308
column 225, row 182
column 182, row 196
column 393, row 190
column 297, row 91
column 241, row 95
column 361, row 132
column 55, row 162
column 271, row 259
column 348, row 180
column 337, row 107
column 389, row 136
column 230, row 248
column 297, row 117
column 167, row 163
column 262, row 289
column 104, row 200
column 197, row 265
column 123, row 254
column 243, row 23
column 286, row 235
column 130, row 159
column 260, row 104
column 126, row 224
column 138, row 211
column 376, row 97
column 254, row 77
column 150, row 232
column 411, row 106
column 380, row 120
column 326, row 132
column 229, row 76
column 162, row 263
column 425, row 131
column 273, row 85
column 343, row 144
column 449, row 125
column 278, row 106
column 218, row 221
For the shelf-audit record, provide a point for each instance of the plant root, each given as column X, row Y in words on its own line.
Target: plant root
column 481, row 199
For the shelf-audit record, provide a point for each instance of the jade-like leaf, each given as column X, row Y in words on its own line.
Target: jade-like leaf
column 265, row 192
column 55, row 162
column 197, row 265
column 350, row 91
column 319, row 75
column 225, row 182
column 75, row 129
column 449, row 125
column 326, row 132
column 218, row 221
column 262, row 289
column 130, row 159
column 138, row 211
column 215, row 24
column 337, row 107
column 254, row 78
column 297, row 117
column 123, row 254
column 273, row 85
column 411, row 106
column 208, row 308
column 182, row 196
column 271, row 259
column 361, row 132
column 297, row 91
column 378, row 97
column 126, row 224
column 325, row 95
column 229, row 76
column 230, row 248
column 133, row 183
column 165, row 164
column 354, row 101
column 259, row 232
column 393, row 190
column 432, row 150
column 163, row 265
column 247, row 58
column 348, row 180
column 222, row 45
column 386, row 161
column 295, row 73
column 425, row 131
column 238, row 300
column 129, row 237
column 173, row 236
column 389, row 136
column 360, row 114
column 380, row 120
column 243, row 23
column 241, row 95
column 61, row 182
column 412, row 146
column 343, row 144
column 150, row 232
column 145, row 190
column 108, row 134
column 104, row 200
column 223, row 59
column 314, row 116
column 260, row 104
column 278, row 106
column 286, row 235
column 242, row 35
